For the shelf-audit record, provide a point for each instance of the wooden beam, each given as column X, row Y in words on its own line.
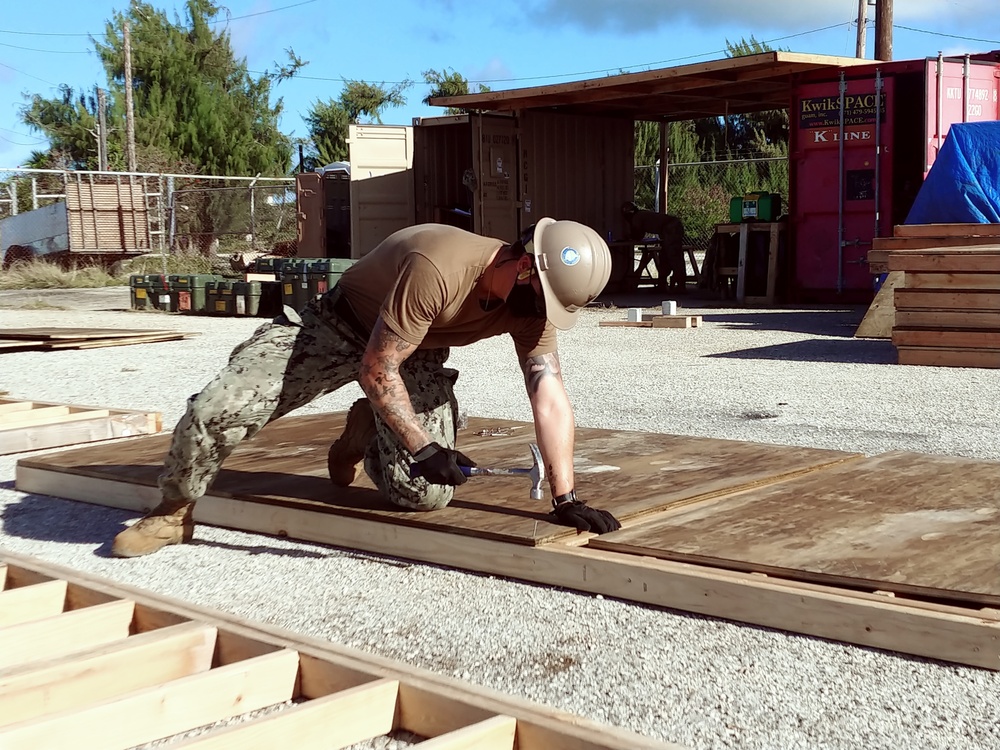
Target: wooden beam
column 953, row 281
column 946, row 299
column 64, row 634
column 107, row 672
column 946, row 261
column 326, row 723
column 496, row 733
column 948, row 319
column 941, row 632
column 31, row 602
column 947, row 338
column 946, row 230
column 164, row 710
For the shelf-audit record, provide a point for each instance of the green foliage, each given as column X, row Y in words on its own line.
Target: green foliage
column 327, row 122
column 711, row 160
column 195, row 103
column 444, row 83
column 362, row 99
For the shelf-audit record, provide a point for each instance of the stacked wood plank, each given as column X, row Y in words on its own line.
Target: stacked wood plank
column 34, row 425
column 96, row 666
column 947, row 307
column 655, row 321
column 48, row 339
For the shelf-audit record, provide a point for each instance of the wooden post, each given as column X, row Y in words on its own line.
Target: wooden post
column 102, row 131
column 861, row 47
column 129, row 105
column 664, row 165
column 883, row 29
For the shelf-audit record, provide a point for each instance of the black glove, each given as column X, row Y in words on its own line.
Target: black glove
column 572, row 512
column 440, row 465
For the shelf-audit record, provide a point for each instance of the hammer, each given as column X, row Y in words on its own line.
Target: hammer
column 536, row 473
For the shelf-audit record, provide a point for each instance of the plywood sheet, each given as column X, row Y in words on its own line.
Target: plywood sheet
column 903, row 522
column 630, row 473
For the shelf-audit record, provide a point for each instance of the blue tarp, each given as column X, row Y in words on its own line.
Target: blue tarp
column 963, row 185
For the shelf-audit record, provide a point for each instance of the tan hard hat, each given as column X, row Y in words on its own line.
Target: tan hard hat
column 574, row 265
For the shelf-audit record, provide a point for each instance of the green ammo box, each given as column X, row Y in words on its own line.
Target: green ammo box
column 757, row 206
column 159, row 291
column 188, row 291
column 220, row 298
column 246, row 296
column 140, row 292
column 324, row 274
column 294, row 289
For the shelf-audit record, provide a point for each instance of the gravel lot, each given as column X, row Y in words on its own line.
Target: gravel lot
column 782, row 376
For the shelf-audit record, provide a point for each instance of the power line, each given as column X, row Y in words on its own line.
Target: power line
column 48, row 51
column 950, row 36
column 11, row 67
column 593, row 72
column 86, row 33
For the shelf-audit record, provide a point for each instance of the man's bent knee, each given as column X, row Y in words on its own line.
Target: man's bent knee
column 427, row 497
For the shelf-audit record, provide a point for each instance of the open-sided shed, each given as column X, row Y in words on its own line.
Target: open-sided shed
column 863, row 133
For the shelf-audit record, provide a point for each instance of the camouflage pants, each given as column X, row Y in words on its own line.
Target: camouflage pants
column 286, row 364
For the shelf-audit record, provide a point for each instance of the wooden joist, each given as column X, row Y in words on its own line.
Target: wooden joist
column 35, row 425
column 175, row 668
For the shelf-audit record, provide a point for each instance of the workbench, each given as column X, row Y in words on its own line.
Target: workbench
column 640, row 273
column 726, row 273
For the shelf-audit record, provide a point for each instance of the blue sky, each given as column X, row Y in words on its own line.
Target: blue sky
column 504, row 43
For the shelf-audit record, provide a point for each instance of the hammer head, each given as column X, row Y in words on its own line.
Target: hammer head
column 537, row 472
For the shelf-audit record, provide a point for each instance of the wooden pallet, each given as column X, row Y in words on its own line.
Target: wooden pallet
column 88, row 664
column 49, row 339
column 36, row 425
column 494, row 530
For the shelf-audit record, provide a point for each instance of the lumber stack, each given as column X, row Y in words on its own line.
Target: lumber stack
column 48, row 339
column 947, row 310
column 921, row 237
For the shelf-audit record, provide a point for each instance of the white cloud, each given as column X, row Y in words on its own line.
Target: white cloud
column 494, row 70
column 791, row 15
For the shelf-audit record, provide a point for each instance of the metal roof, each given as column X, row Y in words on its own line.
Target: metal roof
column 707, row 89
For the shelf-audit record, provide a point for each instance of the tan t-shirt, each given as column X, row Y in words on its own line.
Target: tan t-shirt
column 422, row 280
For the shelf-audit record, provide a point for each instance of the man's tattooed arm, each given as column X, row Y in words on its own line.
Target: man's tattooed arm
column 382, row 382
column 537, row 369
column 554, row 425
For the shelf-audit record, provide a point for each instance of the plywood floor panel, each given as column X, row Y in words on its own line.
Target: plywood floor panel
column 633, row 474
column 905, row 522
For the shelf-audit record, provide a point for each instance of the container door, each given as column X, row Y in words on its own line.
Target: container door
column 381, row 183
column 823, row 269
column 495, row 147
column 952, row 97
column 310, row 217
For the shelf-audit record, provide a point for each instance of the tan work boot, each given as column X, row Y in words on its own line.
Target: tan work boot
column 348, row 451
column 167, row 523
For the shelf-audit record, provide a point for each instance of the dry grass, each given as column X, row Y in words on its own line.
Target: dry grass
column 37, row 274
column 41, row 274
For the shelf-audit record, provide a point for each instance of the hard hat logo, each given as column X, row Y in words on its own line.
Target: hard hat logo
column 570, row 256
column 580, row 275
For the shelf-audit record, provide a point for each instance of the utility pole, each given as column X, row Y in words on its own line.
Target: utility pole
column 102, row 132
column 129, row 106
column 862, row 45
column 883, row 29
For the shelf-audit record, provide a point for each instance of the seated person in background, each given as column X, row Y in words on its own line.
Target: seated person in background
column 670, row 231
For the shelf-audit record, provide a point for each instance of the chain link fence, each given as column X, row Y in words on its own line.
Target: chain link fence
column 699, row 192
column 53, row 212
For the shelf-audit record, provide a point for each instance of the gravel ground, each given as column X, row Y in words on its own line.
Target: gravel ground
column 782, row 376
